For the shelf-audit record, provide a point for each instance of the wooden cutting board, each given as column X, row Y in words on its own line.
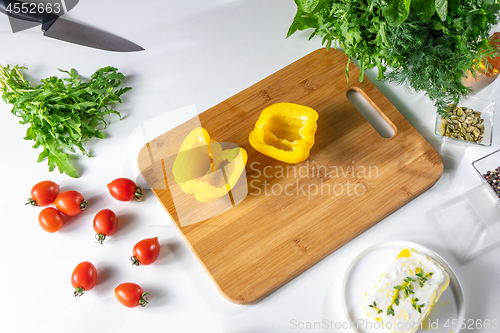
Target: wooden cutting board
column 271, row 236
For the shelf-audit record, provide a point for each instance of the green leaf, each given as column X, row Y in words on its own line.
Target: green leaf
column 61, row 161
column 424, row 8
column 43, row 155
column 488, row 3
column 121, row 91
column 442, row 9
column 99, row 134
column 396, row 11
column 390, row 311
column 29, row 134
column 307, row 6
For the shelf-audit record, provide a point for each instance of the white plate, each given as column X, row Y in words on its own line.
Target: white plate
column 364, row 272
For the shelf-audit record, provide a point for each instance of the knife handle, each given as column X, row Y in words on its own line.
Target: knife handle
column 33, row 14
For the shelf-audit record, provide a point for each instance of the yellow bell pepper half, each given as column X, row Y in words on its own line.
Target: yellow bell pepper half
column 204, row 168
column 285, row 131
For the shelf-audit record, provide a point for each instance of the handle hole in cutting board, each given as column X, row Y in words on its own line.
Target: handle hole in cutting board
column 374, row 117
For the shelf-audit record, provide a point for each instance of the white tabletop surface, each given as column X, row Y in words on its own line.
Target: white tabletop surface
column 197, row 53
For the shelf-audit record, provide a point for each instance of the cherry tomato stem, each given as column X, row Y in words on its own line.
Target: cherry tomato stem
column 31, row 202
column 143, row 301
column 134, row 261
column 79, row 291
column 138, row 196
column 100, row 238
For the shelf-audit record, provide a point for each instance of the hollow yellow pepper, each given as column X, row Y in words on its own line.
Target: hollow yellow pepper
column 285, row 131
column 204, row 168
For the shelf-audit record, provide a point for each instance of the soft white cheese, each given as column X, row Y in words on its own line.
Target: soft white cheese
column 406, row 318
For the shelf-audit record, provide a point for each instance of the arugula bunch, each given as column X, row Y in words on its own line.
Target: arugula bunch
column 62, row 113
column 428, row 45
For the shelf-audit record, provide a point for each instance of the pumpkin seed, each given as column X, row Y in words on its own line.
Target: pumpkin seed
column 463, row 123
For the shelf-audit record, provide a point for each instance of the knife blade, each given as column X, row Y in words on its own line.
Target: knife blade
column 56, row 27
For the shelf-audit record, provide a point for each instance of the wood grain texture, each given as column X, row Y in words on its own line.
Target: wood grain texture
column 269, row 238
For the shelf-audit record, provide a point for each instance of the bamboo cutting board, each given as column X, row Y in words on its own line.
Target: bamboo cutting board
column 294, row 215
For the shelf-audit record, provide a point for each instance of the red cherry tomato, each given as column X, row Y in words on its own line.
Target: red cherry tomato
column 145, row 252
column 50, row 219
column 105, row 224
column 131, row 295
column 124, row 189
column 44, row 193
column 84, row 278
column 70, row 203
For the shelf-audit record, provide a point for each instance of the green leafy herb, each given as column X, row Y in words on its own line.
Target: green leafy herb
column 424, row 9
column 62, row 113
column 407, row 289
column 416, row 306
column 442, row 8
column 396, row 11
column 428, row 45
column 374, row 306
column 422, row 276
column 390, row 311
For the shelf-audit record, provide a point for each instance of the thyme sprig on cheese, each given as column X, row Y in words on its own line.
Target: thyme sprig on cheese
column 422, row 276
column 416, row 306
column 407, row 289
column 374, row 306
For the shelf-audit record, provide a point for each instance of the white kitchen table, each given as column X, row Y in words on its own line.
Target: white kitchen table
column 197, row 53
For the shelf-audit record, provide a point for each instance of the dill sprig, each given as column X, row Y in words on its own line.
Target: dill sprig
column 434, row 62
